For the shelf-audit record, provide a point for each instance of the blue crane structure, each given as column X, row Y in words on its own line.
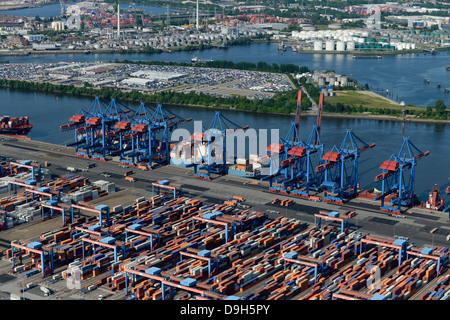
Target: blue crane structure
column 138, row 137
column 35, row 168
column 306, row 177
column 210, row 147
column 340, row 168
column 93, row 127
column 33, row 248
column 398, row 177
column 296, row 174
column 148, row 140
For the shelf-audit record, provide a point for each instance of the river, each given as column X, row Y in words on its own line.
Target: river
column 47, row 113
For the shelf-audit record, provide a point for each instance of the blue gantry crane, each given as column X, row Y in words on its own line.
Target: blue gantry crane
column 93, row 127
column 296, row 174
column 307, row 178
column 139, row 137
column 148, row 139
column 398, row 177
column 340, row 168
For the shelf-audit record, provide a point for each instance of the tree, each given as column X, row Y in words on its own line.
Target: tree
column 440, row 106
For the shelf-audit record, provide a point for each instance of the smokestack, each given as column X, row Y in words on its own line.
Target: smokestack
column 118, row 21
column 197, row 17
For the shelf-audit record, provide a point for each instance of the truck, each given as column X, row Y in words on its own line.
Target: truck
column 72, row 169
column 45, row 290
column 128, row 173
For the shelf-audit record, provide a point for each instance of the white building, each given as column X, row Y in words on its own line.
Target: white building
column 58, row 25
column 158, row 76
column 137, row 81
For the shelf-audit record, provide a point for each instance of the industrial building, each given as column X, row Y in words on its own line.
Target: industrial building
column 158, row 76
column 137, row 81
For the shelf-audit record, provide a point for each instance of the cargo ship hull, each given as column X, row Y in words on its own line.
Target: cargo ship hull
column 16, row 131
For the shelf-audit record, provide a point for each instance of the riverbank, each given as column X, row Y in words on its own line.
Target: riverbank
column 371, row 53
column 139, row 50
column 12, row 7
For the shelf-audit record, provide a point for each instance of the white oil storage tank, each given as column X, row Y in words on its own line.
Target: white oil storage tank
column 318, row 45
column 321, row 81
column 340, row 46
column 350, row 46
column 332, row 80
column 329, row 45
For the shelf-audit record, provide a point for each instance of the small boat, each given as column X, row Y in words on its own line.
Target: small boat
column 197, row 60
column 367, row 56
column 281, row 46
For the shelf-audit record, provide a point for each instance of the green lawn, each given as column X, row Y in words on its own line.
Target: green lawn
column 365, row 98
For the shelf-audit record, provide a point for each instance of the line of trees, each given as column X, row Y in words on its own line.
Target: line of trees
column 285, row 102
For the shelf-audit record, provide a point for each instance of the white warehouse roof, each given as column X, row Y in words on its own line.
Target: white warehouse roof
column 157, row 75
column 137, row 81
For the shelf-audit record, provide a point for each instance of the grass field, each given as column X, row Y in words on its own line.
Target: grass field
column 367, row 99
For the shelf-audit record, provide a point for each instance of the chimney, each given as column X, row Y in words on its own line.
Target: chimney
column 118, row 21
column 197, row 16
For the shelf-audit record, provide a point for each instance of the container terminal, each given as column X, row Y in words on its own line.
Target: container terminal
column 120, row 226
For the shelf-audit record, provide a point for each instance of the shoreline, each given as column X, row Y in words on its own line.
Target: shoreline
column 385, row 118
column 27, row 52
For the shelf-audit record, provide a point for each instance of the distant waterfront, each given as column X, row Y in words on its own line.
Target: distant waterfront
column 54, row 10
column 399, row 77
